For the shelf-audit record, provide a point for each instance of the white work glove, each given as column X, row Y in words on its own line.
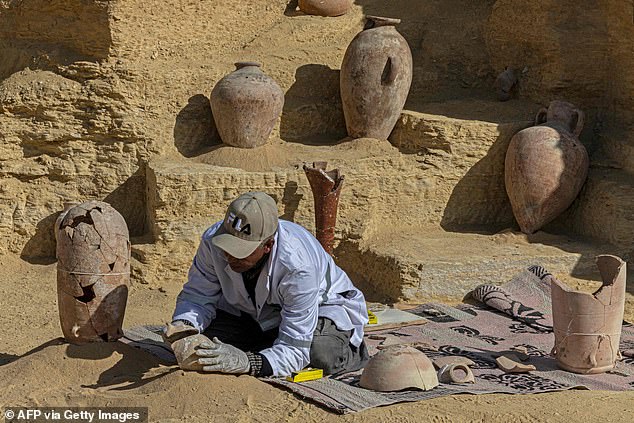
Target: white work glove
column 216, row 356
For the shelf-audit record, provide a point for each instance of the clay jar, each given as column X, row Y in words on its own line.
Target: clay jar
column 546, row 166
column 93, row 272
column 588, row 326
column 325, row 7
column 375, row 78
column 246, row 105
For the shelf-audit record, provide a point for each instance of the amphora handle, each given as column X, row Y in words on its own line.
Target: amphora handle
column 390, row 71
column 541, row 116
column 578, row 122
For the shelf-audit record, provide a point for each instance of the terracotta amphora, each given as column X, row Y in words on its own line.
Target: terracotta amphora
column 546, row 166
column 325, row 7
column 246, row 105
column 375, row 78
column 588, row 326
column 93, row 272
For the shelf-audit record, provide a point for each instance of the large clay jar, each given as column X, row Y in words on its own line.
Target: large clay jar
column 376, row 75
column 93, row 272
column 325, row 7
column 546, row 166
column 246, row 105
column 588, row 326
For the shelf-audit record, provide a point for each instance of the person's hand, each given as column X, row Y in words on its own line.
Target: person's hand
column 177, row 330
column 216, row 356
column 185, row 351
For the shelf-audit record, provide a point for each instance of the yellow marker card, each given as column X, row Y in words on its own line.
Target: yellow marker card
column 372, row 318
column 305, row 374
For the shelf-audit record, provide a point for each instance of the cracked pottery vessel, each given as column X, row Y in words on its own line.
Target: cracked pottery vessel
column 375, row 78
column 325, row 7
column 587, row 326
column 399, row 367
column 93, row 272
column 326, row 188
column 246, row 105
column 546, row 166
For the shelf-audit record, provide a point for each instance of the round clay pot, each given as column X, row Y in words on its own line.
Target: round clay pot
column 325, row 7
column 546, row 166
column 376, row 75
column 246, row 105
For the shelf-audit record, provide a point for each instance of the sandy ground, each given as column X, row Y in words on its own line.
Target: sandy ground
column 39, row 369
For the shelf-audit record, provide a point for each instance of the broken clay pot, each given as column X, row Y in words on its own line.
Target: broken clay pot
column 455, row 373
column 375, row 78
column 588, row 326
column 325, row 7
column 399, row 367
column 67, row 206
column 443, row 361
column 510, row 363
column 326, row 188
column 246, row 105
column 93, row 272
column 546, row 166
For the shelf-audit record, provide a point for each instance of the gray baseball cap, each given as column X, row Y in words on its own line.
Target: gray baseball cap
column 250, row 219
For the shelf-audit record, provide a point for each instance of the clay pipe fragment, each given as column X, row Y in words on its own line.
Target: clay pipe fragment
column 326, row 187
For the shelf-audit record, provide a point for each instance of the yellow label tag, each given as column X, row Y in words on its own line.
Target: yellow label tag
column 372, row 318
column 305, row 374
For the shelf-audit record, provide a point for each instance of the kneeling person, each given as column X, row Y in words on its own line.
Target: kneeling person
column 269, row 298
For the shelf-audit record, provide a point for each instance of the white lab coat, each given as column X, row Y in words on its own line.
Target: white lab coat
column 292, row 291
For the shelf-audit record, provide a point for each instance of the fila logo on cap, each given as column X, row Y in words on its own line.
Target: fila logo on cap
column 236, row 224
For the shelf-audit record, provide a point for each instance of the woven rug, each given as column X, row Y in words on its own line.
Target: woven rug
column 516, row 315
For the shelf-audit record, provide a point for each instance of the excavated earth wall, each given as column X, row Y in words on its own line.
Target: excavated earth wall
column 109, row 100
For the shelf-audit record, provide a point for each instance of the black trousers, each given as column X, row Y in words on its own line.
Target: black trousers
column 330, row 350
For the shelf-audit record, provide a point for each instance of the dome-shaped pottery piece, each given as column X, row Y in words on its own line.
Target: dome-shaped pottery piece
column 399, row 367
column 325, row 7
column 93, row 272
column 375, row 78
column 588, row 326
column 246, row 105
column 546, row 166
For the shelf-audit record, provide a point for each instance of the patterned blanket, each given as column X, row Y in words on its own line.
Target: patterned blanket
column 515, row 316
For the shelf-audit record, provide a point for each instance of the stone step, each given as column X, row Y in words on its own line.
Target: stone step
column 604, row 208
column 422, row 264
column 438, row 169
column 616, row 149
column 435, row 169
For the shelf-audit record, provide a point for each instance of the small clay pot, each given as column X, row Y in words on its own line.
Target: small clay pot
column 325, row 7
column 375, row 78
column 546, row 166
column 504, row 84
column 246, row 105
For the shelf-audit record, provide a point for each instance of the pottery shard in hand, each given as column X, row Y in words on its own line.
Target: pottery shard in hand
column 546, row 166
